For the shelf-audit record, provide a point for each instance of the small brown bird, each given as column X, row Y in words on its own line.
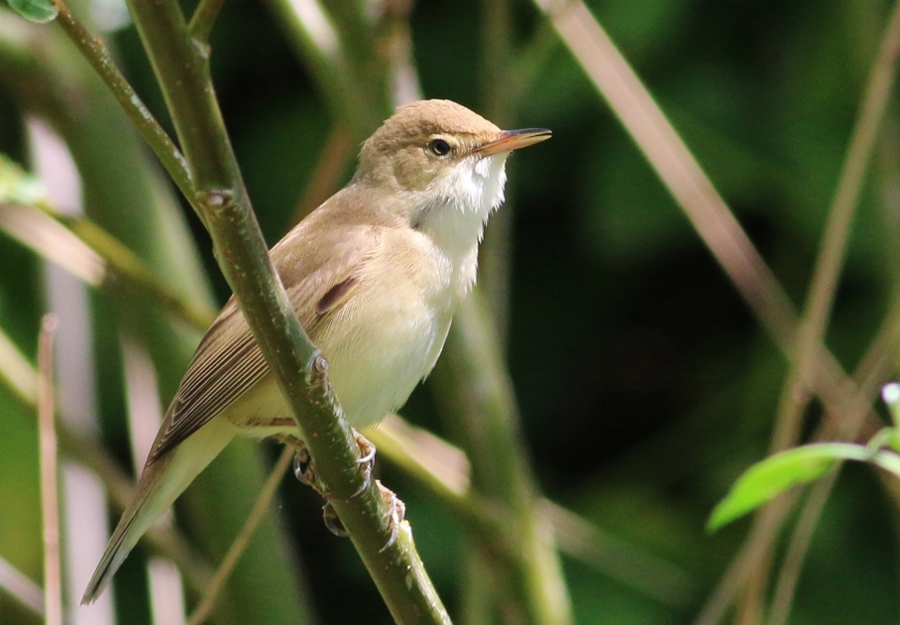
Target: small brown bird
column 374, row 275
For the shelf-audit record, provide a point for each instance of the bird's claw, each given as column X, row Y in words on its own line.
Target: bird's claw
column 366, row 460
column 333, row 521
column 395, row 515
column 304, row 469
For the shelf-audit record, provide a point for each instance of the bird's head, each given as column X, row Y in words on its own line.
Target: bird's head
column 446, row 161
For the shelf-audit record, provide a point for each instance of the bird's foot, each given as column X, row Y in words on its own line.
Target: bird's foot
column 395, row 515
column 304, row 469
column 366, row 460
column 305, row 472
column 332, row 521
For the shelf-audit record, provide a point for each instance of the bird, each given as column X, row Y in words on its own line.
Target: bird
column 374, row 275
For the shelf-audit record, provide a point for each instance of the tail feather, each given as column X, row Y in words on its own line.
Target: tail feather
column 158, row 487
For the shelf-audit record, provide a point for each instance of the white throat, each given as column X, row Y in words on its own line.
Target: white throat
column 456, row 208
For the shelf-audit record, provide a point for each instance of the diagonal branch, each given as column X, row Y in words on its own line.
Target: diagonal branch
column 723, row 235
column 100, row 59
column 213, row 590
column 795, row 398
column 695, row 194
column 182, row 69
column 834, row 242
column 49, row 459
column 19, row 375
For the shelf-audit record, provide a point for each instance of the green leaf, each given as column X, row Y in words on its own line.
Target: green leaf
column 778, row 473
column 40, row 11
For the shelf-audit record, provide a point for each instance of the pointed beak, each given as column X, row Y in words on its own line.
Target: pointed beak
column 510, row 140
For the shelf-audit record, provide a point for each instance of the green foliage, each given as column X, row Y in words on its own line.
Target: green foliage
column 775, row 475
column 38, row 11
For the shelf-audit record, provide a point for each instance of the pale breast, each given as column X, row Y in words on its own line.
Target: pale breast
column 389, row 335
column 381, row 342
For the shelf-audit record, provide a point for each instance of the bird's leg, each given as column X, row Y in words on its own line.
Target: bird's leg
column 305, row 472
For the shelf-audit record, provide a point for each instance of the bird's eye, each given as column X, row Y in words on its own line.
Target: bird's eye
column 438, row 147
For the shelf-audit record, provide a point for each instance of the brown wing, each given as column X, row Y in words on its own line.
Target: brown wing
column 229, row 362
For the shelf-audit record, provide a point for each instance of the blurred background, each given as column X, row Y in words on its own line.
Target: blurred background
column 644, row 383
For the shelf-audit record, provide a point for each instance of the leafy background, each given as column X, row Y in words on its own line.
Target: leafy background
column 644, row 383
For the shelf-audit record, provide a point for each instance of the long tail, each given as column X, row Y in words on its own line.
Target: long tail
column 159, row 486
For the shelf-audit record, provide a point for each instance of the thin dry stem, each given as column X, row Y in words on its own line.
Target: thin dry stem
column 796, row 395
column 834, row 242
column 796, row 554
column 49, row 475
column 21, row 588
column 204, row 18
column 717, row 227
column 213, row 591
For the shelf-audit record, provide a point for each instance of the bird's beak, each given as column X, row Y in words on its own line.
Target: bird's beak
column 510, row 140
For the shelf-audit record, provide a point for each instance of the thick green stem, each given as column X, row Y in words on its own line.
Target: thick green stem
column 182, row 69
column 204, row 18
column 486, row 417
column 126, row 194
column 100, row 59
